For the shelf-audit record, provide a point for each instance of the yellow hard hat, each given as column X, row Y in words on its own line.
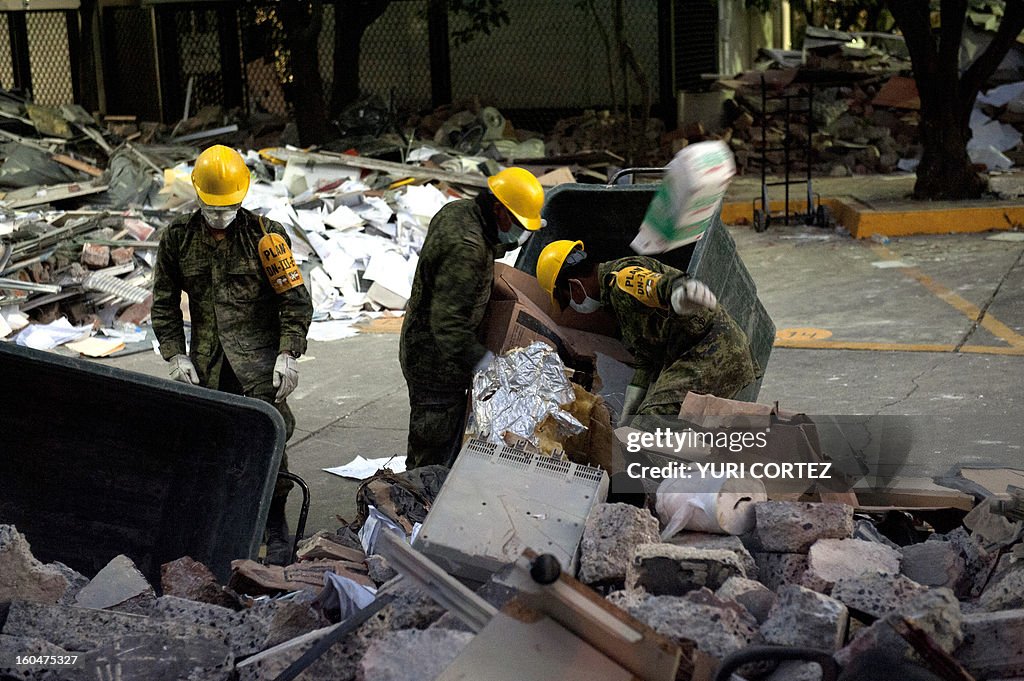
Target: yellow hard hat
column 520, row 192
column 550, row 261
column 220, row 176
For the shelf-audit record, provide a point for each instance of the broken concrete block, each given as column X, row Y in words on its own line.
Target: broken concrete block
column 979, row 563
column 796, row 671
column 13, row 646
column 875, row 593
column 715, row 631
column 993, row 644
column 188, row 578
column 95, row 256
column 85, row 629
column 793, row 526
column 830, row 560
column 117, row 582
column 412, row 608
column 670, row 570
column 993, row 530
column 412, row 655
column 340, row 661
column 492, row 591
column 933, row 563
column 776, row 569
column 727, row 542
column 120, row 256
column 149, row 656
column 752, row 595
column 76, row 582
column 1005, row 591
column 802, row 617
column 610, row 536
column 22, row 577
column 378, row 569
column 936, row 611
column 627, row 599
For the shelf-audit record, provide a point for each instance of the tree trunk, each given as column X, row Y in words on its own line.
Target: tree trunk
column 302, row 27
column 945, row 172
column 351, row 19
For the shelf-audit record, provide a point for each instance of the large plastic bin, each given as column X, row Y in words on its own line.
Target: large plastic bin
column 606, row 219
column 98, row 461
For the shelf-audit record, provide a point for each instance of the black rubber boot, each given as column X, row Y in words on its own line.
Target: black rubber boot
column 279, row 548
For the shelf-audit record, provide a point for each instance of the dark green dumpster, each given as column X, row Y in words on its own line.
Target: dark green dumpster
column 606, row 219
column 98, row 461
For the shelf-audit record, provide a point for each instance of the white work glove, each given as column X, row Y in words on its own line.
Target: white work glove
column 286, row 376
column 182, row 369
column 484, row 362
column 690, row 296
column 634, row 398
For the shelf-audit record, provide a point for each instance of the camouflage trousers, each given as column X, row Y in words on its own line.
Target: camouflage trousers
column 265, row 392
column 720, row 365
column 437, row 420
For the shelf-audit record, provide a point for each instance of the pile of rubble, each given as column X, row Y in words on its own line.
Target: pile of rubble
column 809, row 575
column 81, row 218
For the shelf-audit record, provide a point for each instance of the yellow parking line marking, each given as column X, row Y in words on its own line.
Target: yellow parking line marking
column 963, row 306
column 897, row 347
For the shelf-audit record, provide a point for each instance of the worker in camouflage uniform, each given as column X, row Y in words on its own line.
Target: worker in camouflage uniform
column 440, row 349
column 680, row 338
column 249, row 314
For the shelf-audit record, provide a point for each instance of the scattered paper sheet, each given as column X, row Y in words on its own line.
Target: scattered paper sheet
column 96, row 347
column 361, row 469
column 335, row 329
column 49, row 336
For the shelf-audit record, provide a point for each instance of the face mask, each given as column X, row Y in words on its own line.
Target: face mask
column 588, row 306
column 515, row 236
column 219, row 217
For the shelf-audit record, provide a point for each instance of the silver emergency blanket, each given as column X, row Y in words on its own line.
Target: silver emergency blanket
column 518, row 390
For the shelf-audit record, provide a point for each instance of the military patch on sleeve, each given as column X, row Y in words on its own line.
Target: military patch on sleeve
column 278, row 263
column 641, row 283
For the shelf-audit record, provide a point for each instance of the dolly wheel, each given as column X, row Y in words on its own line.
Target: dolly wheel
column 761, row 220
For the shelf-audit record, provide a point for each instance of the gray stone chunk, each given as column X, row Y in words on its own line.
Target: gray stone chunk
column 875, row 593
column 793, row 526
column 936, row 611
column 796, row 671
column 378, row 569
column 12, row 646
column 76, row 582
column 340, row 662
column 22, row 577
column 412, row 655
column 777, row 569
column 830, row 560
column 627, row 599
column 610, row 536
column 979, row 563
column 86, row 629
column 933, row 563
column 806, row 618
column 993, row 644
column 117, row 582
column 752, row 595
column 993, row 530
column 670, row 570
column 702, row 540
column 1005, row 591
column 155, row 657
column 715, row 630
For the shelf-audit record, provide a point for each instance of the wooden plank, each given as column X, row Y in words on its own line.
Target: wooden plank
column 66, row 160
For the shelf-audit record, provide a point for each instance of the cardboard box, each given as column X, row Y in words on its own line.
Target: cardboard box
column 519, row 313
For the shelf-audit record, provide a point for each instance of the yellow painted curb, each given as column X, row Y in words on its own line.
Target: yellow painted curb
column 863, row 221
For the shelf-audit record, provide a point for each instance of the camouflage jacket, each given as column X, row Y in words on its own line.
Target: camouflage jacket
column 650, row 329
column 450, row 292
column 235, row 312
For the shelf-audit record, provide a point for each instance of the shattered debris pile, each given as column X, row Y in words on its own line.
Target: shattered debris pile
column 809, row 575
